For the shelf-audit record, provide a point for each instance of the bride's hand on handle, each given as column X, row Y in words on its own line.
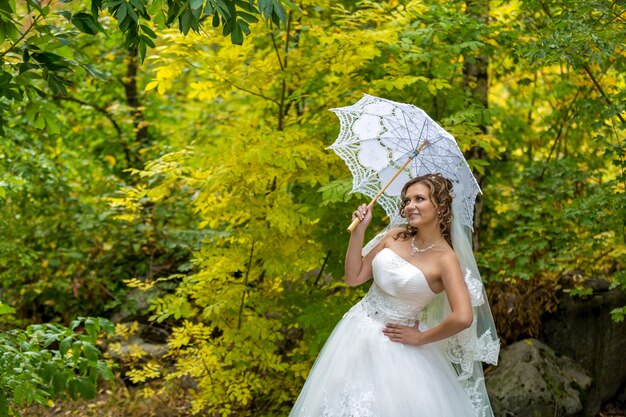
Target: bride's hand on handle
column 364, row 214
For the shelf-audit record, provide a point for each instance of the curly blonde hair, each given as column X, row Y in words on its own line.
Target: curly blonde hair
column 441, row 195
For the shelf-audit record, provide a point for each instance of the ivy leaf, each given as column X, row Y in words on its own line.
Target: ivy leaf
column 237, row 33
column 57, row 84
column 279, row 11
column 66, row 14
column 148, row 31
column 147, row 41
column 95, row 72
column 196, row 4
column 4, row 308
column 139, row 5
column 91, row 353
column 86, row 23
column 122, row 11
column 65, row 345
column 229, row 27
column 142, row 50
column 86, row 387
column 59, row 381
column 247, row 16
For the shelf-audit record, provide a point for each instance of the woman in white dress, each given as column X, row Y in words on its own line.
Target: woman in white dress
column 408, row 348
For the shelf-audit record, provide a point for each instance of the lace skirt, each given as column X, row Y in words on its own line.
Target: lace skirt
column 361, row 373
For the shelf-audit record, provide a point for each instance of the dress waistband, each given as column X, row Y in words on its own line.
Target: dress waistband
column 385, row 308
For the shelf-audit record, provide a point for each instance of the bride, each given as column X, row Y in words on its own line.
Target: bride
column 413, row 345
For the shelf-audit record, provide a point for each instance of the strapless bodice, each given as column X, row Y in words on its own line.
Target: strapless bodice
column 399, row 291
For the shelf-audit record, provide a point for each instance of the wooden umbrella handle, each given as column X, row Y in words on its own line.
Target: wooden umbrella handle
column 354, row 224
column 356, row 221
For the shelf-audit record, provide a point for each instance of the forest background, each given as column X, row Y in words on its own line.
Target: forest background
column 162, row 175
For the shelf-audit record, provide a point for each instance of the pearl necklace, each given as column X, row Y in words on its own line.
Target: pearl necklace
column 415, row 249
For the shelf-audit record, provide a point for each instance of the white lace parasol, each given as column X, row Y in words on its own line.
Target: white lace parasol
column 379, row 136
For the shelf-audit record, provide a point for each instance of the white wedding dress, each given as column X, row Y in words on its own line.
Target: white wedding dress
column 361, row 373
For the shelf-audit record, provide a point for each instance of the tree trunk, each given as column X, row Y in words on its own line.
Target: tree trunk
column 476, row 79
column 132, row 99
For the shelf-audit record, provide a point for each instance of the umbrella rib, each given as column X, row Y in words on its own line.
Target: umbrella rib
column 398, row 137
column 420, row 113
column 391, row 123
column 413, row 145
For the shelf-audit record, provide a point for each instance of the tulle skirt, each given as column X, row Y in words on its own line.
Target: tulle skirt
column 361, row 373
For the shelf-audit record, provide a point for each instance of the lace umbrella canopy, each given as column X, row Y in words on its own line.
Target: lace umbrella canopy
column 385, row 143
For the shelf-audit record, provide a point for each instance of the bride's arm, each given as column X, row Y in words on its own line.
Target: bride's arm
column 358, row 269
column 459, row 319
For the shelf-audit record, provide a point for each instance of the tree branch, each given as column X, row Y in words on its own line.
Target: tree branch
column 559, row 134
column 319, row 274
column 21, row 38
column 106, row 114
column 245, row 286
column 245, row 90
column 95, row 107
column 252, row 92
column 588, row 71
column 602, row 93
column 283, row 66
column 545, row 9
column 280, row 60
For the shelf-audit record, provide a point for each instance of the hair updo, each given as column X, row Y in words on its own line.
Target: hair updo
column 441, row 196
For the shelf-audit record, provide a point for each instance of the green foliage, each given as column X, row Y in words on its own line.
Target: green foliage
column 6, row 309
column 258, row 304
column 65, row 250
column 235, row 290
column 201, row 175
column 45, row 361
column 69, row 232
column 554, row 219
column 555, row 194
column 41, row 40
column 618, row 314
column 561, row 170
column 246, row 313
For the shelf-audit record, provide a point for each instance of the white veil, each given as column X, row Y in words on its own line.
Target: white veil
column 478, row 343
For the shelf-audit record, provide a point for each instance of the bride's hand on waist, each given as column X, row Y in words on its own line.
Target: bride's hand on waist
column 408, row 335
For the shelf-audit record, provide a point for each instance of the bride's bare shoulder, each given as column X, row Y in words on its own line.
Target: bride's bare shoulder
column 387, row 240
column 395, row 231
column 448, row 259
column 391, row 236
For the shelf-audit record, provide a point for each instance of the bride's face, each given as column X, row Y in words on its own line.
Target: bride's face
column 419, row 209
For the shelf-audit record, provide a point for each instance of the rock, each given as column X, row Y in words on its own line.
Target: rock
column 153, row 333
column 134, row 305
column 598, row 284
column 532, row 381
column 583, row 330
column 569, row 279
column 136, row 344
